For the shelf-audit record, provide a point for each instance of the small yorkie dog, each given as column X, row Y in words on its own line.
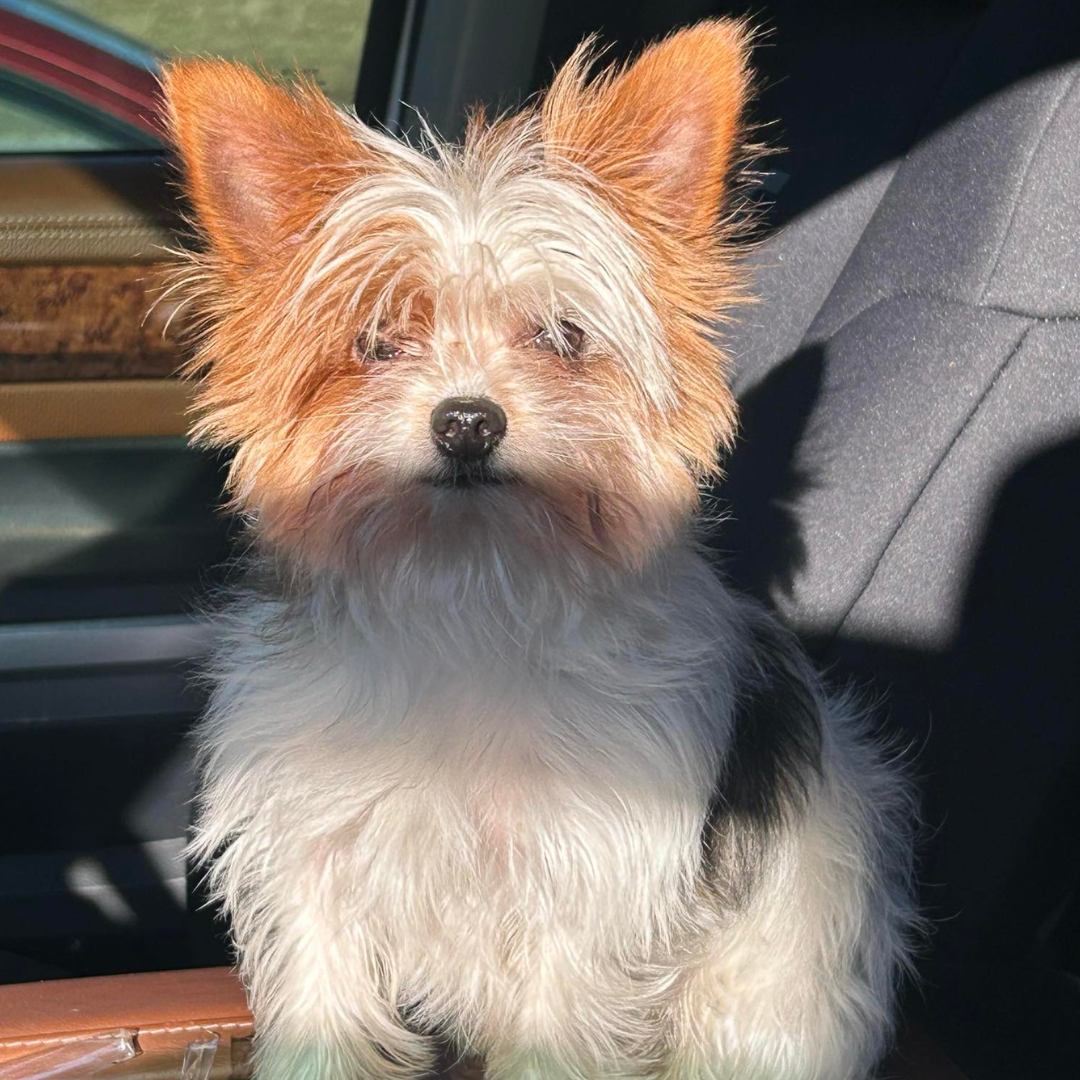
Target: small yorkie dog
column 494, row 761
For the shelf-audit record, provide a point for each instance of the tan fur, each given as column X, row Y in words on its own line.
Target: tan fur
column 662, row 137
column 248, row 145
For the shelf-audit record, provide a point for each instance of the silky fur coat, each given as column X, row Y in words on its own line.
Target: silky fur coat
column 498, row 761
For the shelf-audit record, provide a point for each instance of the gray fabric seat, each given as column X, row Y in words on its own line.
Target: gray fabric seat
column 905, row 492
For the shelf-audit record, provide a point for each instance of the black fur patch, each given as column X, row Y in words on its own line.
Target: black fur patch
column 774, row 757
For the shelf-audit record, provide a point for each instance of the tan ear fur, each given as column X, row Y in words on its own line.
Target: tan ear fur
column 658, row 139
column 661, row 134
column 260, row 159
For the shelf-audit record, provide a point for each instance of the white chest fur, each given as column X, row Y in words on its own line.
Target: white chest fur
column 466, row 809
column 489, row 825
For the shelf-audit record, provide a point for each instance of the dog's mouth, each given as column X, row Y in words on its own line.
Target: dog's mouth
column 467, row 477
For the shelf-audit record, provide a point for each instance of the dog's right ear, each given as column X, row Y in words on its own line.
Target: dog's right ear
column 662, row 133
column 260, row 160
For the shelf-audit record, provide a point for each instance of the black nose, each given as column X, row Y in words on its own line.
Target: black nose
column 467, row 429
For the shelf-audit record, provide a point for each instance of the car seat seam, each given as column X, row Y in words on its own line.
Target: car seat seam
column 958, row 301
column 168, row 1029
column 1018, row 198
column 933, row 471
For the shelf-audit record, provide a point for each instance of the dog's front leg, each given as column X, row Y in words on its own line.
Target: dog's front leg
column 343, row 1031
column 324, row 1008
column 325, row 1053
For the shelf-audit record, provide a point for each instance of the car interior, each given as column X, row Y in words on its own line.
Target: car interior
column 903, row 492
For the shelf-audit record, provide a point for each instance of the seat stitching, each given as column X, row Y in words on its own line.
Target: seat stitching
column 937, row 297
column 1032, row 158
column 920, row 136
column 809, row 339
column 996, row 378
column 169, row 1029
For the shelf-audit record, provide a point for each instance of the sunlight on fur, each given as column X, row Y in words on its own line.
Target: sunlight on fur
column 496, row 766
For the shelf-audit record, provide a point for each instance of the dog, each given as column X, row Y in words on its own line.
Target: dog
column 494, row 759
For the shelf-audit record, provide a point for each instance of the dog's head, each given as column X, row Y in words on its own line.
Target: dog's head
column 510, row 336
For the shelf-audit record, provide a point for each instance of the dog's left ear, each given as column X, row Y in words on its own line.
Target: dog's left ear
column 662, row 134
column 260, row 159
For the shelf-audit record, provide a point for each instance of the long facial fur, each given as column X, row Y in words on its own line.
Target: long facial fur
column 464, row 252
column 510, row 765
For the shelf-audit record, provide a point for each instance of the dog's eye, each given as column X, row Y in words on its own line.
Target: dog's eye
column 568, row 343
column 379, row 348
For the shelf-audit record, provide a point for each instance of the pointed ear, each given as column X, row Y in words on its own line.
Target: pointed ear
column 662, row 134
column 260, row 160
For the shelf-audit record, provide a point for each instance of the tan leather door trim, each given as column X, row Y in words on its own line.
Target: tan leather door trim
column 88, row 208
column 93, row 409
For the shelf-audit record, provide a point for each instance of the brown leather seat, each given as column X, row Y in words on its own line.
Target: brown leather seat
column 70, row 1025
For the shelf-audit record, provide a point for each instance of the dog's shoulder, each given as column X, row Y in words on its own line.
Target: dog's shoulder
column 774, row 756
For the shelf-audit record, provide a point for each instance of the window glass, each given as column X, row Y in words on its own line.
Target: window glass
column 79, row 75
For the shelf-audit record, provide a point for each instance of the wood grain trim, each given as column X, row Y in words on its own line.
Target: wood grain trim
column 86, row 322
column 112, row 408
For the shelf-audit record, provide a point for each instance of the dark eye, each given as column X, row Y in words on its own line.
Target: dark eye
column 568, row 342
column 378, row 348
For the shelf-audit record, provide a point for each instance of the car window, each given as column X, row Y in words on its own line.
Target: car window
column 80, row 75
